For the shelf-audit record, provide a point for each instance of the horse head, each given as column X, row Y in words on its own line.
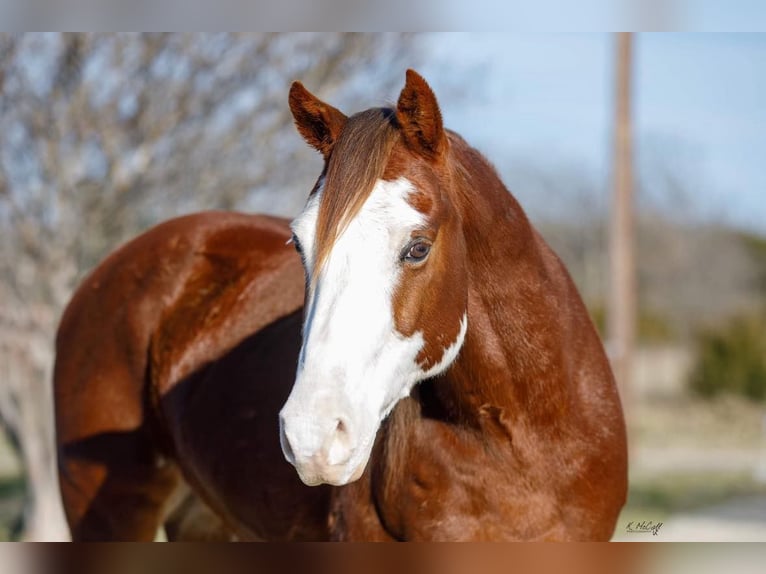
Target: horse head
column 386, row 279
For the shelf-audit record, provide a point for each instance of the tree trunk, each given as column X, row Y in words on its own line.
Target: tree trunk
column 43, row 513
column 27, row 410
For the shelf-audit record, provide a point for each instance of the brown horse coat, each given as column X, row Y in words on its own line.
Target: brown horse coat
column 177, row 353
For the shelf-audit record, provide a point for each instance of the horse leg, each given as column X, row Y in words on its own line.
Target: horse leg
column 115, row 486
column 191, row 520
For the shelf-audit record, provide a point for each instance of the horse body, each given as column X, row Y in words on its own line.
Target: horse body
column 522, row 437
column 173, row 359
column 471, row 400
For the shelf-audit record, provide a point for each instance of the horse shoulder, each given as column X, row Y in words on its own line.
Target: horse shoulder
column 241, row 277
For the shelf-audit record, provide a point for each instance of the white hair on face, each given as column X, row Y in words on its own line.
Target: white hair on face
column 352, row 353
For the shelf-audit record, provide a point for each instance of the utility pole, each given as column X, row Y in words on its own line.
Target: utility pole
column 622, row 300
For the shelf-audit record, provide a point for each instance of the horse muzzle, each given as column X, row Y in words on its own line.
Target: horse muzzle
column 323, row 450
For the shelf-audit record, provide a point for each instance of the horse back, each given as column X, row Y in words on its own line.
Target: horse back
column 141, row 291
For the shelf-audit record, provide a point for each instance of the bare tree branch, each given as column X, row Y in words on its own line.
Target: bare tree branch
column 103, row 135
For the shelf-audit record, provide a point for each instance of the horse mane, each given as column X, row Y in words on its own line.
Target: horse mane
column 357, row 161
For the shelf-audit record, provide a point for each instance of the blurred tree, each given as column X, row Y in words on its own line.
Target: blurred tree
column 732, row 358
column 693, row 269
column 102, row 136
column 756, row 246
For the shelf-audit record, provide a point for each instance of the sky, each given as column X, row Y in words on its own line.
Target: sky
column 546, row 100
column 591, row 15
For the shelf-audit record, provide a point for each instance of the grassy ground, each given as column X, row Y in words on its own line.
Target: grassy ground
column 662, row 496
column 684, row 421
column 689, row 454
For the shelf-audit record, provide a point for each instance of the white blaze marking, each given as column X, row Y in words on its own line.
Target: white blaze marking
column 352, row 354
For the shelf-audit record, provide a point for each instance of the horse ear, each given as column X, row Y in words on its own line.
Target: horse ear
column 419, row 117
column 319, row 123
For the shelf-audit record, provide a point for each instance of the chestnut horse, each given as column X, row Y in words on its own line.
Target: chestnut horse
column 449, row 384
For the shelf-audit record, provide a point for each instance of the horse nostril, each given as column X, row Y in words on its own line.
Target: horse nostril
column 338, row 445
column 287, row 449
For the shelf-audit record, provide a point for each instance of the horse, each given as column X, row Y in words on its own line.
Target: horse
column 406, row 360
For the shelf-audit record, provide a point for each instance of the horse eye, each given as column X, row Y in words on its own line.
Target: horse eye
column 416, row 251
column 298, row 246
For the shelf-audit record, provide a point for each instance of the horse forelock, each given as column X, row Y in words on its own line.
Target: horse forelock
column 358, row 160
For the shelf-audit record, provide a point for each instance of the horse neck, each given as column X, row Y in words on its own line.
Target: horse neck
column 511, row 360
